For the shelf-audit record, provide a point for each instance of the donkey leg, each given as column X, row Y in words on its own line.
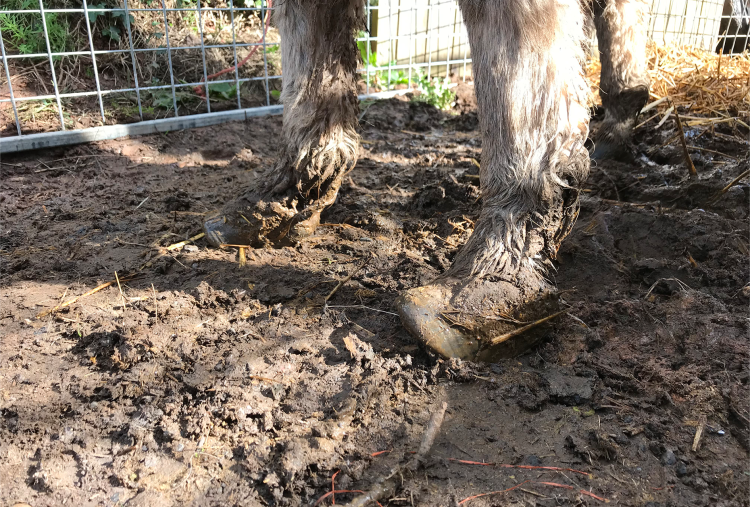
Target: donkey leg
column 532, row 98
column 319, row 137
column 621, row 31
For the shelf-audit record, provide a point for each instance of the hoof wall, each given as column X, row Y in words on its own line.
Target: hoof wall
column 421, row 311
column 427, row 313
column 220, row 231
column 612, row 151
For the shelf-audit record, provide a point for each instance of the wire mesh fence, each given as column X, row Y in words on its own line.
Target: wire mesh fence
column 70, row 65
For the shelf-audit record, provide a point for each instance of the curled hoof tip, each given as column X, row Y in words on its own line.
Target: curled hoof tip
column 421, row 311
column 260, row 229
column 219, row 231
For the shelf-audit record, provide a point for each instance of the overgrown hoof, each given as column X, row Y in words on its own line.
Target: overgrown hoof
column 479, row 320
column 611, row 150
column 258, row 223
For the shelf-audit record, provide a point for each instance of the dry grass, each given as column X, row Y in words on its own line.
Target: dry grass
column 704, row 83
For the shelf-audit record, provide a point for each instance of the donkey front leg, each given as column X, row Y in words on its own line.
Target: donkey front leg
column 319, row 136
column 532, row 97
column 621, row 32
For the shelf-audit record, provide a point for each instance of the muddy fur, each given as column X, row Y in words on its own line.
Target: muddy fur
column 534, row 121
column 320, row 96
column 534, row 116
column 319, row 128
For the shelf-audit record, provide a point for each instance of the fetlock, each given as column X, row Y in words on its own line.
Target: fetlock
column 614, row 138
column 285, row 206
column 319, row 133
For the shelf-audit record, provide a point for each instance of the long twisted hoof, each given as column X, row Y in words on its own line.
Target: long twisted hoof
column 260, row 223
column 479, row 320
column 282, row 213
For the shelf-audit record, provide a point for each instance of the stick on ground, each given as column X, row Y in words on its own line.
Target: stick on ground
column 386, row 487
column 342, row 282
column 688, row 161
column 507, row 336
column 71, row 301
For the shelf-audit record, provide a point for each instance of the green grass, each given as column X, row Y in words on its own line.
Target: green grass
column 24, row 33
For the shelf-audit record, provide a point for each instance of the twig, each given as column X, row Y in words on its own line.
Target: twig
column 342, row 282
column 331, row 493
column 688, row 161
column 71, row 301
column 223, row 245
column 652, row 105
column 183, row 243
column 518, row 486
column 730, row 185
column 387, row 486
column 122, row 296
column 532, row 492
column 507, row 336
column 525, row 467
column 362, row 307
column 142, row 203
column 699, row 432
column 156, row 305
column 492, row 493
column 333, row 487
column 696, row 148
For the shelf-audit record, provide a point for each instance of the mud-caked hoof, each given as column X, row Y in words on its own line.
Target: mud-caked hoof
column 259, row 223
column 611, row 150
column 478, row 320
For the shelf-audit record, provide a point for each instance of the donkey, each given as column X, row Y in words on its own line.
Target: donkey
column 534, row 118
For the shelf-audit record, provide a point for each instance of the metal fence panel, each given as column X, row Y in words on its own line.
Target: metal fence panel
column 148, row 42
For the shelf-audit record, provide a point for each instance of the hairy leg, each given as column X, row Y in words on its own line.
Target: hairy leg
column 320, row 141
column 532, row 98
column 621, row 31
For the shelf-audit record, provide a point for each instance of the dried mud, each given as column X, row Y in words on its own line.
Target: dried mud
column 200, row 382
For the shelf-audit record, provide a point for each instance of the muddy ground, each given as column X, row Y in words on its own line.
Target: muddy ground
column 200, row 382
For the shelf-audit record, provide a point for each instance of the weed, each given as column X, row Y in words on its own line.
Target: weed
column 222, row 91
column 436, row 92
column 111, row 24
column 24, row 33
column 163, row 98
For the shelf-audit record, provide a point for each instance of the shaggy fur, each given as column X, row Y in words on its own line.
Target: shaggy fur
column 527, row 60
column 320, row 60
column 621, row 32
column 532, row 98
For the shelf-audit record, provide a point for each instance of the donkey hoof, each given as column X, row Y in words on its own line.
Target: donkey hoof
column 610, row 150
column 472, row 321
column 220, row 231
column 257, row 223
column 422, row 313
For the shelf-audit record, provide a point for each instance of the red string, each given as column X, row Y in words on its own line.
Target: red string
column 200, row 91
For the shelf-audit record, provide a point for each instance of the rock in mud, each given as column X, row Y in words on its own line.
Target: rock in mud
column 566, row 388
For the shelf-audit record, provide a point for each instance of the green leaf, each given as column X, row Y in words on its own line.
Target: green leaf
column 276, row 94
column 112, row 32
column 223, row 90
column 93, row 16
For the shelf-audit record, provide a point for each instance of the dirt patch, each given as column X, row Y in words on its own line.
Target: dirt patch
column 200, row 382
